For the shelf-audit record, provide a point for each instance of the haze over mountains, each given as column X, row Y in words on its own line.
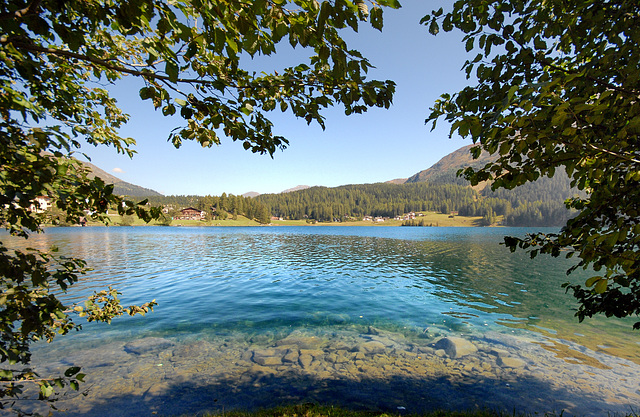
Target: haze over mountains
column 442, row 172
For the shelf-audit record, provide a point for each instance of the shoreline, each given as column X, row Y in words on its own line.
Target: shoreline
column 430, row 219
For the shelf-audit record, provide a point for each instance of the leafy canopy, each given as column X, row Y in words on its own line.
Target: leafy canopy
column 558, row 87
column 56, row 60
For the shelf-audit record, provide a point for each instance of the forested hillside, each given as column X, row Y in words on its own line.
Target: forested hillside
column 357, row 201
column 435, row 189
column 216, row 207
column 534, row 204
column 540, row 203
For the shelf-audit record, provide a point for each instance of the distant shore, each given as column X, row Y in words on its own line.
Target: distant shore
column 426, row 219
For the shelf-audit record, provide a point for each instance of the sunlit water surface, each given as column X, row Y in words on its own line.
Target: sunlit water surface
column 257, row 317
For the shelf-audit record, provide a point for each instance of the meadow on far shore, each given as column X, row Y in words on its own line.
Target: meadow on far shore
column 427, row 219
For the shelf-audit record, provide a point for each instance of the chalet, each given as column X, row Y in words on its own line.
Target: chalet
column 41, row 204
column 409, row 216
column 191, row 213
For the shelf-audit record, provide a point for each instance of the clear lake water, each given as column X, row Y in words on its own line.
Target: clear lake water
column 393, row 319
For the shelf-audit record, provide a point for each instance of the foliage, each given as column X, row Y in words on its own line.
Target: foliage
column 55, row 60
column 557, row 87
column 538, row 203
column 416, row 223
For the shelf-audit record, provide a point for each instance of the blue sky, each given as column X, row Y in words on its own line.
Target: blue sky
column 377, row 146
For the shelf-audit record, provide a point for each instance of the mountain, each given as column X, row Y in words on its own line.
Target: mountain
column 120, row 187
column 397, row 181
column 444, row 171
column 288, row 190
column 296, row 188
column 538, row 203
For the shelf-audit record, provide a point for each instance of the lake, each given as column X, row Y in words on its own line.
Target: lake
column 393, row 319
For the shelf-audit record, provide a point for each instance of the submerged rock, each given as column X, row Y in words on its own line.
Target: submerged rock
column 370, row 348
column 305, row 359
column 291, row 356
column 499, row 352
column 268, row 357
column 456, row 347
column 373, row 330
column 301, row 341
column 440, row 353
column 507, row 362
column 148, row 344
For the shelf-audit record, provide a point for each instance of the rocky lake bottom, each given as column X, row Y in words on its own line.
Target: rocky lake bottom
column 366, row 369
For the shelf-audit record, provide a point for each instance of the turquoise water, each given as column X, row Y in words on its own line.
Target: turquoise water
column 253, row 317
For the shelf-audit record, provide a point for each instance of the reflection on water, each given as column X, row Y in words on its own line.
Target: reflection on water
column 335, row 314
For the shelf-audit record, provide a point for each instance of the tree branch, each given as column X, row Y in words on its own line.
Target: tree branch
column 548, row 63
column 18, row 14
column 118, row 68
column 102, row 63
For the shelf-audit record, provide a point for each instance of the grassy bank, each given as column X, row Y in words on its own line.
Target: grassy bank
column 428, row 218
column 117, row 220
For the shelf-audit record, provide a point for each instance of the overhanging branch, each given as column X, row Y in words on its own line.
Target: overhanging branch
column 18, row 14
column 107, row 64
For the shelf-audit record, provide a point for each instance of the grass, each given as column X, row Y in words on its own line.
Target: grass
column 117, row 220
column 312, row 410
column 429, row 218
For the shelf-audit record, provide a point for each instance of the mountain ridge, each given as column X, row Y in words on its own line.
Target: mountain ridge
column 120, row 187
column 445, row 170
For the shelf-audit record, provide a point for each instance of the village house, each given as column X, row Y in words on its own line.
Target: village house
column 41, row 204
column 191, row 213
column 409, row 216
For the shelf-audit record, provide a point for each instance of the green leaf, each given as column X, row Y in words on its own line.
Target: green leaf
column 247, row 109
column 146, row 92
column 46, row 390
column 171, row 68
column 539, row 43
column 469, row 44
column 71, row 371
column 592, row 280
column 601, row 286
column 394, row 4
column 376, row 18
column 433, row 27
